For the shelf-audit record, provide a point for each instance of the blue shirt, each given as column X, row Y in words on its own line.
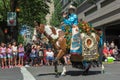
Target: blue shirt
column 72, row 20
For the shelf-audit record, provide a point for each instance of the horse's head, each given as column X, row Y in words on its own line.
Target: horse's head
column 53, row 30
column 41, row 28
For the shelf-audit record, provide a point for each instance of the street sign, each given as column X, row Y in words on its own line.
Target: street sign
column 11, row 18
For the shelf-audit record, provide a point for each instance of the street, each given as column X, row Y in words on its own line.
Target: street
column 112, row 72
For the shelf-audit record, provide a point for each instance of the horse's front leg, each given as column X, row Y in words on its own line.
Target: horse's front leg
column 60, row 57
column 64, row 67
column 64, row 71
column 56, row 69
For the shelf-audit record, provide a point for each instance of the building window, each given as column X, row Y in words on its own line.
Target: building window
column 91, row 11
column 106, row 2
column 64, row 2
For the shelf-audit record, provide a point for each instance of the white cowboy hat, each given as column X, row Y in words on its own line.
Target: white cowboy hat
column 72, row 7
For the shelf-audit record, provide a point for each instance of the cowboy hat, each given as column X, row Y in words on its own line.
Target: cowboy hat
column 72, row 7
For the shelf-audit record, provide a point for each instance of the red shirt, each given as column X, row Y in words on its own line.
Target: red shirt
column 111, row 51
column 105, row 51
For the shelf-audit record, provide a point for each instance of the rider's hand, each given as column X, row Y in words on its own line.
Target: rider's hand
column 64, row 15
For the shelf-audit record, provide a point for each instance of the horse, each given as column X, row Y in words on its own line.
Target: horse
column 54, row 35
column 56, row 38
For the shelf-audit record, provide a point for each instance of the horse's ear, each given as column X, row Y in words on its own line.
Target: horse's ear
column 41, row 28
column 41, row 25
column 53, row 30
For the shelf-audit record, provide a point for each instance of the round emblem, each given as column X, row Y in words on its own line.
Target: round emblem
column 89, row 42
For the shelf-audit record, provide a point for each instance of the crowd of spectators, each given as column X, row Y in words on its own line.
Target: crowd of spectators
column 110, row 50
column 18, row 55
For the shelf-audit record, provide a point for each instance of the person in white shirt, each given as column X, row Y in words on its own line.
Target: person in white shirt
column 50, row 56
column 14, row 49
column 112, row 45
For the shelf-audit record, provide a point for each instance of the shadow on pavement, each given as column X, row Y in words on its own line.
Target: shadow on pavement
column 74, row 73
column 46, row 74
column 78, row 73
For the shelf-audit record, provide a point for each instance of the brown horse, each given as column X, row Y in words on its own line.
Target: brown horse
column 56, row 38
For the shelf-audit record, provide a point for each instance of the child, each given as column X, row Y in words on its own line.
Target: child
column 10, row 56
column 33, row 55
column 3, row 56
column 21, row 54
column 14, row 49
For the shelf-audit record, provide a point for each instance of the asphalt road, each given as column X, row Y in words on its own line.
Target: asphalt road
column 112, row 72
column 11, row 74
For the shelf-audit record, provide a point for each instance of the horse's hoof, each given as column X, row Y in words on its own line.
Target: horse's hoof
column 57, row 76
column 63, row 74
column 84, row 73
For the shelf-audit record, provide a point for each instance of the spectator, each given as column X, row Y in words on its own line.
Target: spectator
column 106, row 52
column 112, row 45
column 33, row 55
column 3, row 56
column 27, row 55
column 21, row 54
column 50, row 56
column 10, row 56
column 15, row 52
column 115, row 52
column 40, row 54
column 67, row 59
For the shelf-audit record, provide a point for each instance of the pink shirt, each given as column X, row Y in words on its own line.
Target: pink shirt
column 9, row 50
column 21, row 49
column 3, row 49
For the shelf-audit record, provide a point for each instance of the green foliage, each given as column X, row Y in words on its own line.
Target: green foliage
column 33, row 10
column 20, row 39
column 56, row 16
column 1, row 35
column 30, row 10
column 4, row 7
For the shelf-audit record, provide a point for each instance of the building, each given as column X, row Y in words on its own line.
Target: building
column 103, row 14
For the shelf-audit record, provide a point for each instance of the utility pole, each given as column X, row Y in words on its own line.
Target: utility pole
column 14, row 29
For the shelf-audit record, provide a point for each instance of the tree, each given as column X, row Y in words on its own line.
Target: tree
column 29, row 10
column 56, row 16
column 33, row 10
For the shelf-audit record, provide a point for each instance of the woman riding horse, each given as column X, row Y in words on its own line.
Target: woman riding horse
column 71, row 19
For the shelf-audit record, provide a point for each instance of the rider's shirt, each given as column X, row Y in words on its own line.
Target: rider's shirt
column 72, row 20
